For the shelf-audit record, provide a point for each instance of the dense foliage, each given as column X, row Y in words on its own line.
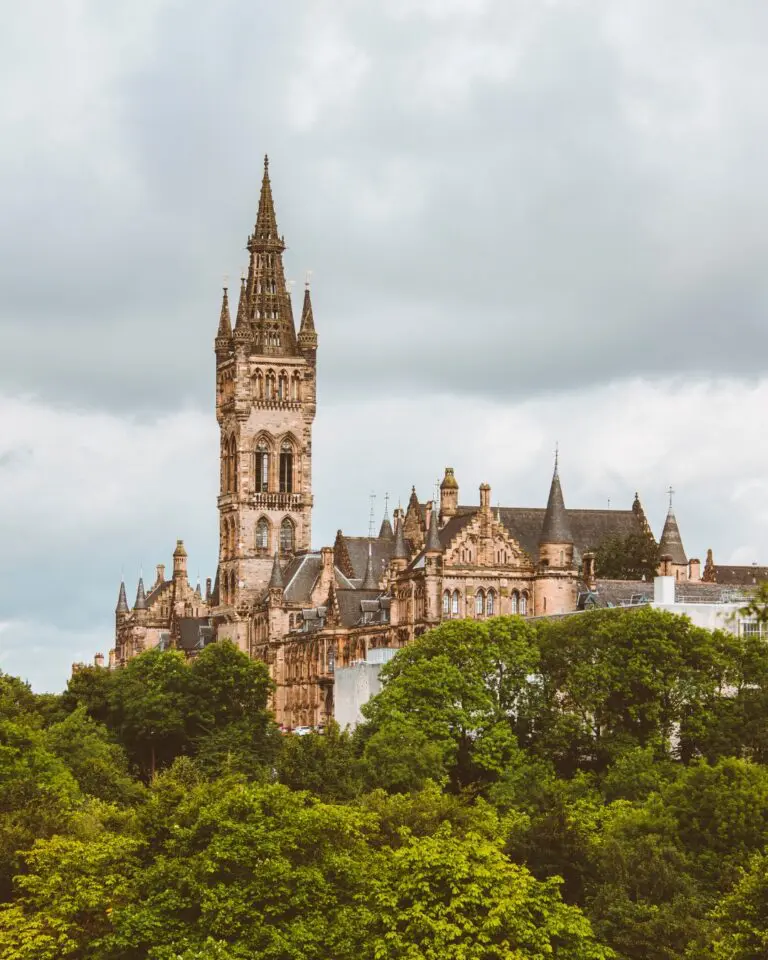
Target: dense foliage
column 585, row 788
column 631, row 557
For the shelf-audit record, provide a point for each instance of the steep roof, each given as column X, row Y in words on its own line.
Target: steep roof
column 739, row 575
column 357, row 551
column 353, row 604
column 555, row 527
column 671, row 542
column 195, row 633
column 301, row 575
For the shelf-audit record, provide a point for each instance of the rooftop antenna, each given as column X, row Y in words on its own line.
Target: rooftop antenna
column 371, row 516
column 436, row 492
column 386, row 504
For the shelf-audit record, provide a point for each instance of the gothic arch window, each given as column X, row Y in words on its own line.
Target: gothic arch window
column 479, row 603
column 261, row 466
column 287, row 537
column 282, row 386
column 523, row 603
column 562, row 558
column 490, row 603
column 231, row 468
column 270, row 386
column 286, row 467
column 262, row 535
column 258, row 386
column 515, row 602
column 296, row 387
column 455, row 603
column 232, row 539
column 446, row 604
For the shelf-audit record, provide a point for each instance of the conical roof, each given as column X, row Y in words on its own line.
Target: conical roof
column 122, row 600
column 385, row 531
column 433, row 537
column 276, row 580
column 141, row 596
column 241, row 321
column 401, row 550
column 555, row 528
column 369, row 580
column 671, row 542
column 307, row 334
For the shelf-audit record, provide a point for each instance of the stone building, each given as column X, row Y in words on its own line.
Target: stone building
column 306, row 612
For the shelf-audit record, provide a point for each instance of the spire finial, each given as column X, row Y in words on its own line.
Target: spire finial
column 307, row 279
column 557, row 455
column 670, row 492
column 266, row 164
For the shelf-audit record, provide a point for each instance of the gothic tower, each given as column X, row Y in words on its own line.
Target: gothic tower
column 265, row 406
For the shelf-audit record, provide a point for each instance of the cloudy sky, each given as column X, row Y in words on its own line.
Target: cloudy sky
column 527, row 221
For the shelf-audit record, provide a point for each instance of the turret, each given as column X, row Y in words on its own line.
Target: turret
column 276, row 579
column 671, row 545
column 179, row 561
column 449, row 495
column 307, row 340
column 555, row 540
column 140, row 606
column 400, row 555
column 121, row 610
column 385, row 531
column 432, row 545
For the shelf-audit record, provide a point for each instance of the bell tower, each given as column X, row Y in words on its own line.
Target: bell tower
column 265, row 407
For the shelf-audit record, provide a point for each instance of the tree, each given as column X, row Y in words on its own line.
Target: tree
column 444, row 897
column 150, row 704
column 633, row 557
column 92, row 687
column 741, row 920
column 324, row 763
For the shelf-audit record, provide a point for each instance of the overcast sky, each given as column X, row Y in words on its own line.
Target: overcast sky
column 527, row 223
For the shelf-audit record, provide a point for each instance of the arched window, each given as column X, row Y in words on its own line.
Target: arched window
column 446, row 604
column 296, row 387
column 232, row 467
column 515, row 602
column 562, row 558
column 282, row 387
column 286, row 467
column 490, row 603
column 258, row 386
column 523, row 604
column 232, row 539
column 479, row 603
column 270, row 386
column 261, row 471
column 286, row 537
column 455, row 603
column 262, row 535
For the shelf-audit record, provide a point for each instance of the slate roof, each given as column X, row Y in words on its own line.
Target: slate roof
column 746, row 575
column 555, row 527
column 357, row 548
column 301, row 575
column 195, row 633
column 671, row 542
column 354, row 603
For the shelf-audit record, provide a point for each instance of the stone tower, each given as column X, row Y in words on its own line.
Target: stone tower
column 265, row 406
column 555, row 590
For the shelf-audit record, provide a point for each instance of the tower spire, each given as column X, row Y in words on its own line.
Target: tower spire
column 241, row 321
column 276, row 580
column 433, row 538
column 225, row 323
column 401, row 550
column 385, row 530
column 141, row 596
column 307, row 335
column 555, row 528
column 269, row 303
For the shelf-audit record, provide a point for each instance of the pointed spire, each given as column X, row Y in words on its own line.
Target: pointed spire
column 198, row 590
column 385, row 530
column 433, row 537
column 122, row 601
column 307, row 316
column 265, row 231
column 276, row 580
column 225, row 323
column 555, row 528
column 401, row 550
column 141, row 597
column 671, row 542
column 369, row 580
column 241, row 323
column 413, row 501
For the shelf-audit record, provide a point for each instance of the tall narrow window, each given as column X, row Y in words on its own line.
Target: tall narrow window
column 455, row 604
column 523, row 604
column 446, row 604
column 286, row 468
column 282, row 387
column 295, row 394
column 262, row 535
column 232, row 485
column 490, row 603
column 286, row 537
column 262, row 467
column 515, row 602
column 479, row 603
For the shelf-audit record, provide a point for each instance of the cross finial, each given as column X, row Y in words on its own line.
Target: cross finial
column 307, row 279
column 671, row 493
column 557, row 454
column 225, row 278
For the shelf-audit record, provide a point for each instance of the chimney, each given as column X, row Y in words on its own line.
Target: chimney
column 588, row 561
column 179, row 561
column 427, row 513
column 694, row 570
column 160, row 578
column 98, row 660
column 666, row 565
column 485, row 497
column 326, row 579
column 664, row 589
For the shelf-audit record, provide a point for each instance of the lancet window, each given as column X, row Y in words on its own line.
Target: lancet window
column 262, row 466
column 287, row 537
column 286, row 467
